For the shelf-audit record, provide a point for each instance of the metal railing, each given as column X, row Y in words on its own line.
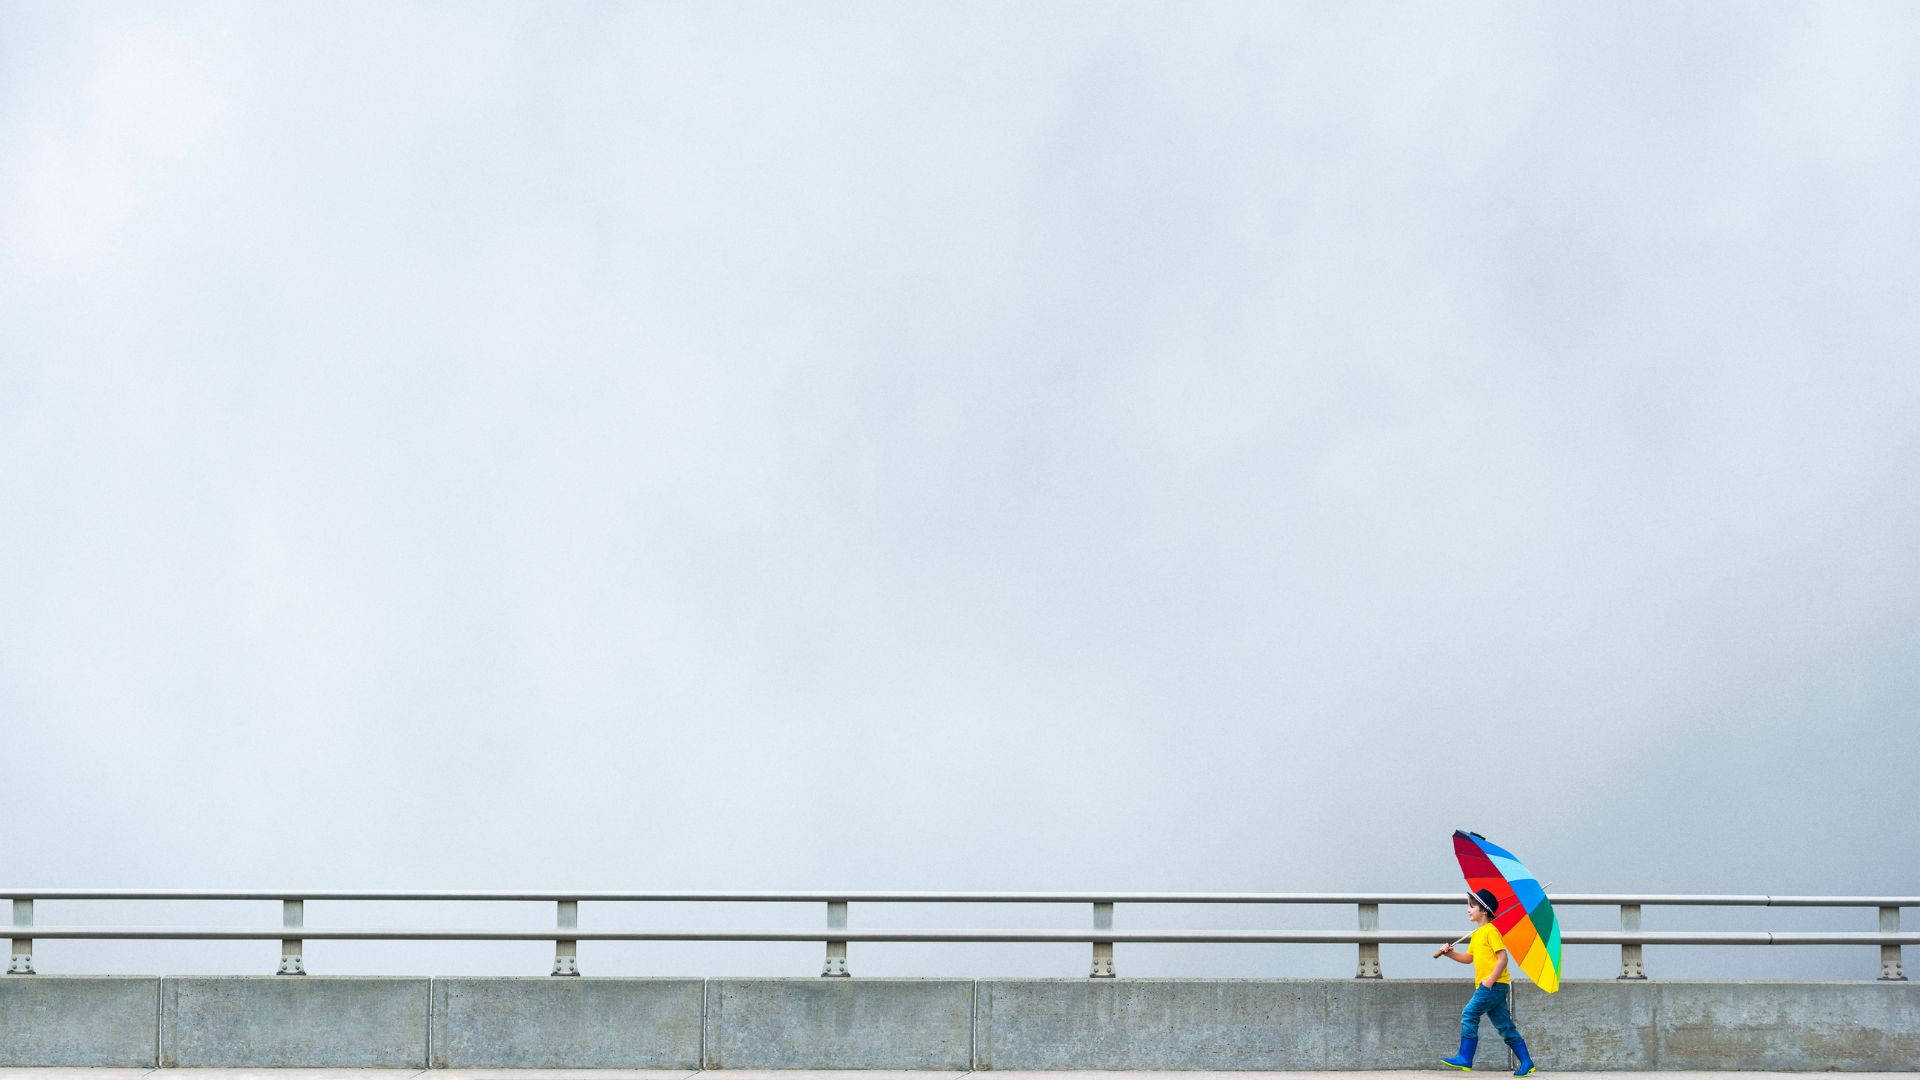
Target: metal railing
column 566, row 932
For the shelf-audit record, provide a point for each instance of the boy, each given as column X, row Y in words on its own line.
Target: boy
column 1487, row 952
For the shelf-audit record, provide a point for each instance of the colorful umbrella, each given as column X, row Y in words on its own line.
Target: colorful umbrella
column 1525, row 918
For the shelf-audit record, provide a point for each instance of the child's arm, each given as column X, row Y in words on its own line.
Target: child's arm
column 1499, row 965
column 1454, row 954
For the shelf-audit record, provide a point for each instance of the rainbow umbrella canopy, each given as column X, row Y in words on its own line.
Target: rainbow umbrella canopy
column 1525, row 918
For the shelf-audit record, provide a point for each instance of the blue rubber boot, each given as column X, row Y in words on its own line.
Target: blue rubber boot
column 1525, row 1063
column 1464, row 1059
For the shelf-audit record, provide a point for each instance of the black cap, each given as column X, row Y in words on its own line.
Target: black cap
column 1488, row 902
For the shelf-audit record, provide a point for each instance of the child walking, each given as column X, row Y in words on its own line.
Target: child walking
column 1487, row 952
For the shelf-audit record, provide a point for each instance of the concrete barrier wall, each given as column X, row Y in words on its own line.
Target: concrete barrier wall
column 839, row 1024
column 568, row 1023
column 1221, row 1024
column 1774, row 1025
column 1276, row 1024
column 80, row 1020
column 1592, row 1025
column 1409, row 1024
column 947, row 1024
column 273, row 1021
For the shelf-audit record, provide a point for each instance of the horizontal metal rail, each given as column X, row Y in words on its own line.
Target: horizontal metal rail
column 1253, row 937
column 566, row 934
column 857, row 897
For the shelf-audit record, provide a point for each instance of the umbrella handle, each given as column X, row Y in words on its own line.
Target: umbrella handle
column 1451, row 944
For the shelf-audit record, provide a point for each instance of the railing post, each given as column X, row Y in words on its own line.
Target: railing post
column 22, row 962
column 292, row 915
column 566, row 953
column 1102, row 950
column 1631, row 966
column 836, row 967
column 1369, row 950
column 1890, row 970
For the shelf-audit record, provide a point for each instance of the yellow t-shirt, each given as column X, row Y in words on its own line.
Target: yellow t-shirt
column 1485, row 942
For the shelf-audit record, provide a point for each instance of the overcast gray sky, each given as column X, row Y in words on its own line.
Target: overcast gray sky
column 987, row 446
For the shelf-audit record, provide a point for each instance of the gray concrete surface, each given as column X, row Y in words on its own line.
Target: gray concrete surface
column 815, row 1074
column 572, row 1023
column 557, row 1074
column 1393, row 1023
column 1774, row 1025
column 282, row 1021
column 1029, row 1024
column 670, row 1026
column 79, row 1020
column 839, row 1024
column 1047, row 1024
column 1586, row 1026
column 1604, row 1024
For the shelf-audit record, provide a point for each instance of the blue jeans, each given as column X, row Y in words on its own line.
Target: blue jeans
column 1493, row 1004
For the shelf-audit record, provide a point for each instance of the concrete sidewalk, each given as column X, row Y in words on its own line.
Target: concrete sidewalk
column 818, row 1075
column 809, row 1074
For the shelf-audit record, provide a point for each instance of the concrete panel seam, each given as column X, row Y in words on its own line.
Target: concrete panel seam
column 1659, row 1036
column 427, row 1062
column 973, row 1030
column 166, row 1018
column 701, row 1061
column 976, row 1022
column 159, row 1018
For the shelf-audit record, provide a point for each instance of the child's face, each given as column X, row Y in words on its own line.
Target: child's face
column 1474, row 914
